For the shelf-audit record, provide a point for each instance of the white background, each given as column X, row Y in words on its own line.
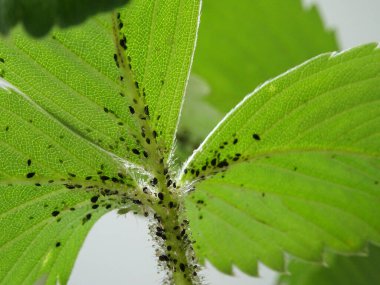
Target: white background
column 117, row 250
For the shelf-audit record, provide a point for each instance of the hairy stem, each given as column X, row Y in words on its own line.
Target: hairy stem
column 171, row 233
column 160, row 194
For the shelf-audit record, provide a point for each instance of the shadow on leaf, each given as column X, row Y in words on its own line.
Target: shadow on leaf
column 39, row 16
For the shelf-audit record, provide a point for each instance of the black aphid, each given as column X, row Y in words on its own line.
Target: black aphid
column 123, row 43
column 163, row 258
column 256, row 137
column 94, row 199
column 30, row 174
column 146, row 110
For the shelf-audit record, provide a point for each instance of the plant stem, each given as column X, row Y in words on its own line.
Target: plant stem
column 171, row 233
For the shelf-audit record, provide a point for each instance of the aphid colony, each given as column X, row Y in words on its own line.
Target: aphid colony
column 219, row 161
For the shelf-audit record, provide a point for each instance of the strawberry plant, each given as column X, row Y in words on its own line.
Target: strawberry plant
column 90, row 116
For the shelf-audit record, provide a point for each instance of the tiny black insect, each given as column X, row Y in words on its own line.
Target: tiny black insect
column 94, row 199
column 30, row 174
column 163, row 258
column 123, row 43
column 256, row 137
column 146, row 110
column 154, row 181
column 104, row 178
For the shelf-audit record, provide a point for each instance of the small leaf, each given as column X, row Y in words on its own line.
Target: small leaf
column 294, row 168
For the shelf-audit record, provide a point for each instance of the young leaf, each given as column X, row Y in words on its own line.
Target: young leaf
column 341, row 270
column 294, row 168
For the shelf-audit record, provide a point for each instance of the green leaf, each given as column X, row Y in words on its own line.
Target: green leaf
column 72, row 76
column 341, row 270
column 159, row 46
column 68, row 136
column 63, row 13
column 45, row 211
column 244, row 44
column 198, row 117
column 277, row 36
column 294, row 168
